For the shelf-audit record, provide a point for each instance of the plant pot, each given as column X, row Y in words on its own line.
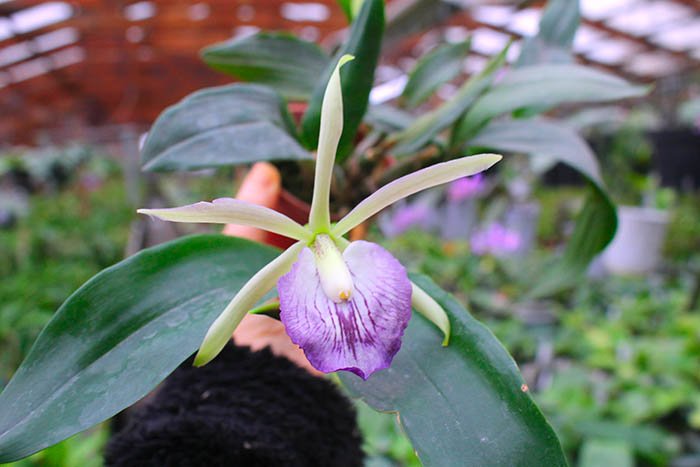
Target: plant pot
column 676, row 157
column 636, row 248
column 523, row 219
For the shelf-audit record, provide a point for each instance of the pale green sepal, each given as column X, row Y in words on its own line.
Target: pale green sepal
column 428, row 307
column 329, row 136
column 263, row 281
column 413, row 183
column 233, row 211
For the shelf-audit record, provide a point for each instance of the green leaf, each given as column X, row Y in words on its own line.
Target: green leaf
column 350, row 7
column 542, row 138
column 387, row 118
column 597, row 221
column 463, row 404
column 346, row 6
column 595, row 228
column 357, row 78
column 652, row 443
column 559, row 22
column 436, row 68
column 552, row 44
column 282, row 61
column 424, row 129
column 598, row 452
column 544, row 87
column 227, row 125
column 119, row 335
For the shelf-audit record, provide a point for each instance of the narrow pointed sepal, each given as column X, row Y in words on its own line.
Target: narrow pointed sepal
column 263, row 281
column 233, row 211
column 413, row 183
column 428, row 307
column 361, row 334
column 328, row 139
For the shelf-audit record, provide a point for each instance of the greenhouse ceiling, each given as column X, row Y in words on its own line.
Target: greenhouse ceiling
column 123, row 61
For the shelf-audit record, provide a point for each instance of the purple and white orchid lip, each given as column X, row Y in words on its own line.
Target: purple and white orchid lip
column 361, row 334
column 345, row 304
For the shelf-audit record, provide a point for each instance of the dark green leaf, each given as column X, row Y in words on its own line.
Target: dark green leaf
column 543, row 87
column 227, row 125
column 464, row 404
column 357, row 78
column 436, row 68
column 119, row 335
column 284, row 62
column 597, row 222
column 424, row 129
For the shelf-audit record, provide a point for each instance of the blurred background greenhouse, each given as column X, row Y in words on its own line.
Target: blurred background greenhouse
column 610, row 350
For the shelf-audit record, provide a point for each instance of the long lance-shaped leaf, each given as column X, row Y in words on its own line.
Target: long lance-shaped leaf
column 413, row 183
column 233, row 211
column 119, row 335
column 436, row 68
column 597, row 221
column 364, row 43
column 543, row 87
column 480, row 412
column 227, row 125
column 552, row 44
column 429, row 125
column 264, row 58
column 541, row 138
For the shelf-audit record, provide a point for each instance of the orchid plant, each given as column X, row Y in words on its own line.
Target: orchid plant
column 345, row 304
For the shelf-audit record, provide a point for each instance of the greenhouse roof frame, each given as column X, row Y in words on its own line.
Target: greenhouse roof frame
column 98, row 62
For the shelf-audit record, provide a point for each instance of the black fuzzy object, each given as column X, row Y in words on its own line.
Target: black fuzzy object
column 242, row 409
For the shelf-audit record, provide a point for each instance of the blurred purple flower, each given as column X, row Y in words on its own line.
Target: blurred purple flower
column 407, row 216
column 466, row 187
column 495, row 240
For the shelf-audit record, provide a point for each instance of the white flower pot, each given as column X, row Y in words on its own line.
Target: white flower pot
column 636, row 248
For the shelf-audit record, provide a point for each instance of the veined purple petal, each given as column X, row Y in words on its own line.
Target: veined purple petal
column 360, row 335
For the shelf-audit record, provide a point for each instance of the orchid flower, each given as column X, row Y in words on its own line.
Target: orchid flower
column 345, row 304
